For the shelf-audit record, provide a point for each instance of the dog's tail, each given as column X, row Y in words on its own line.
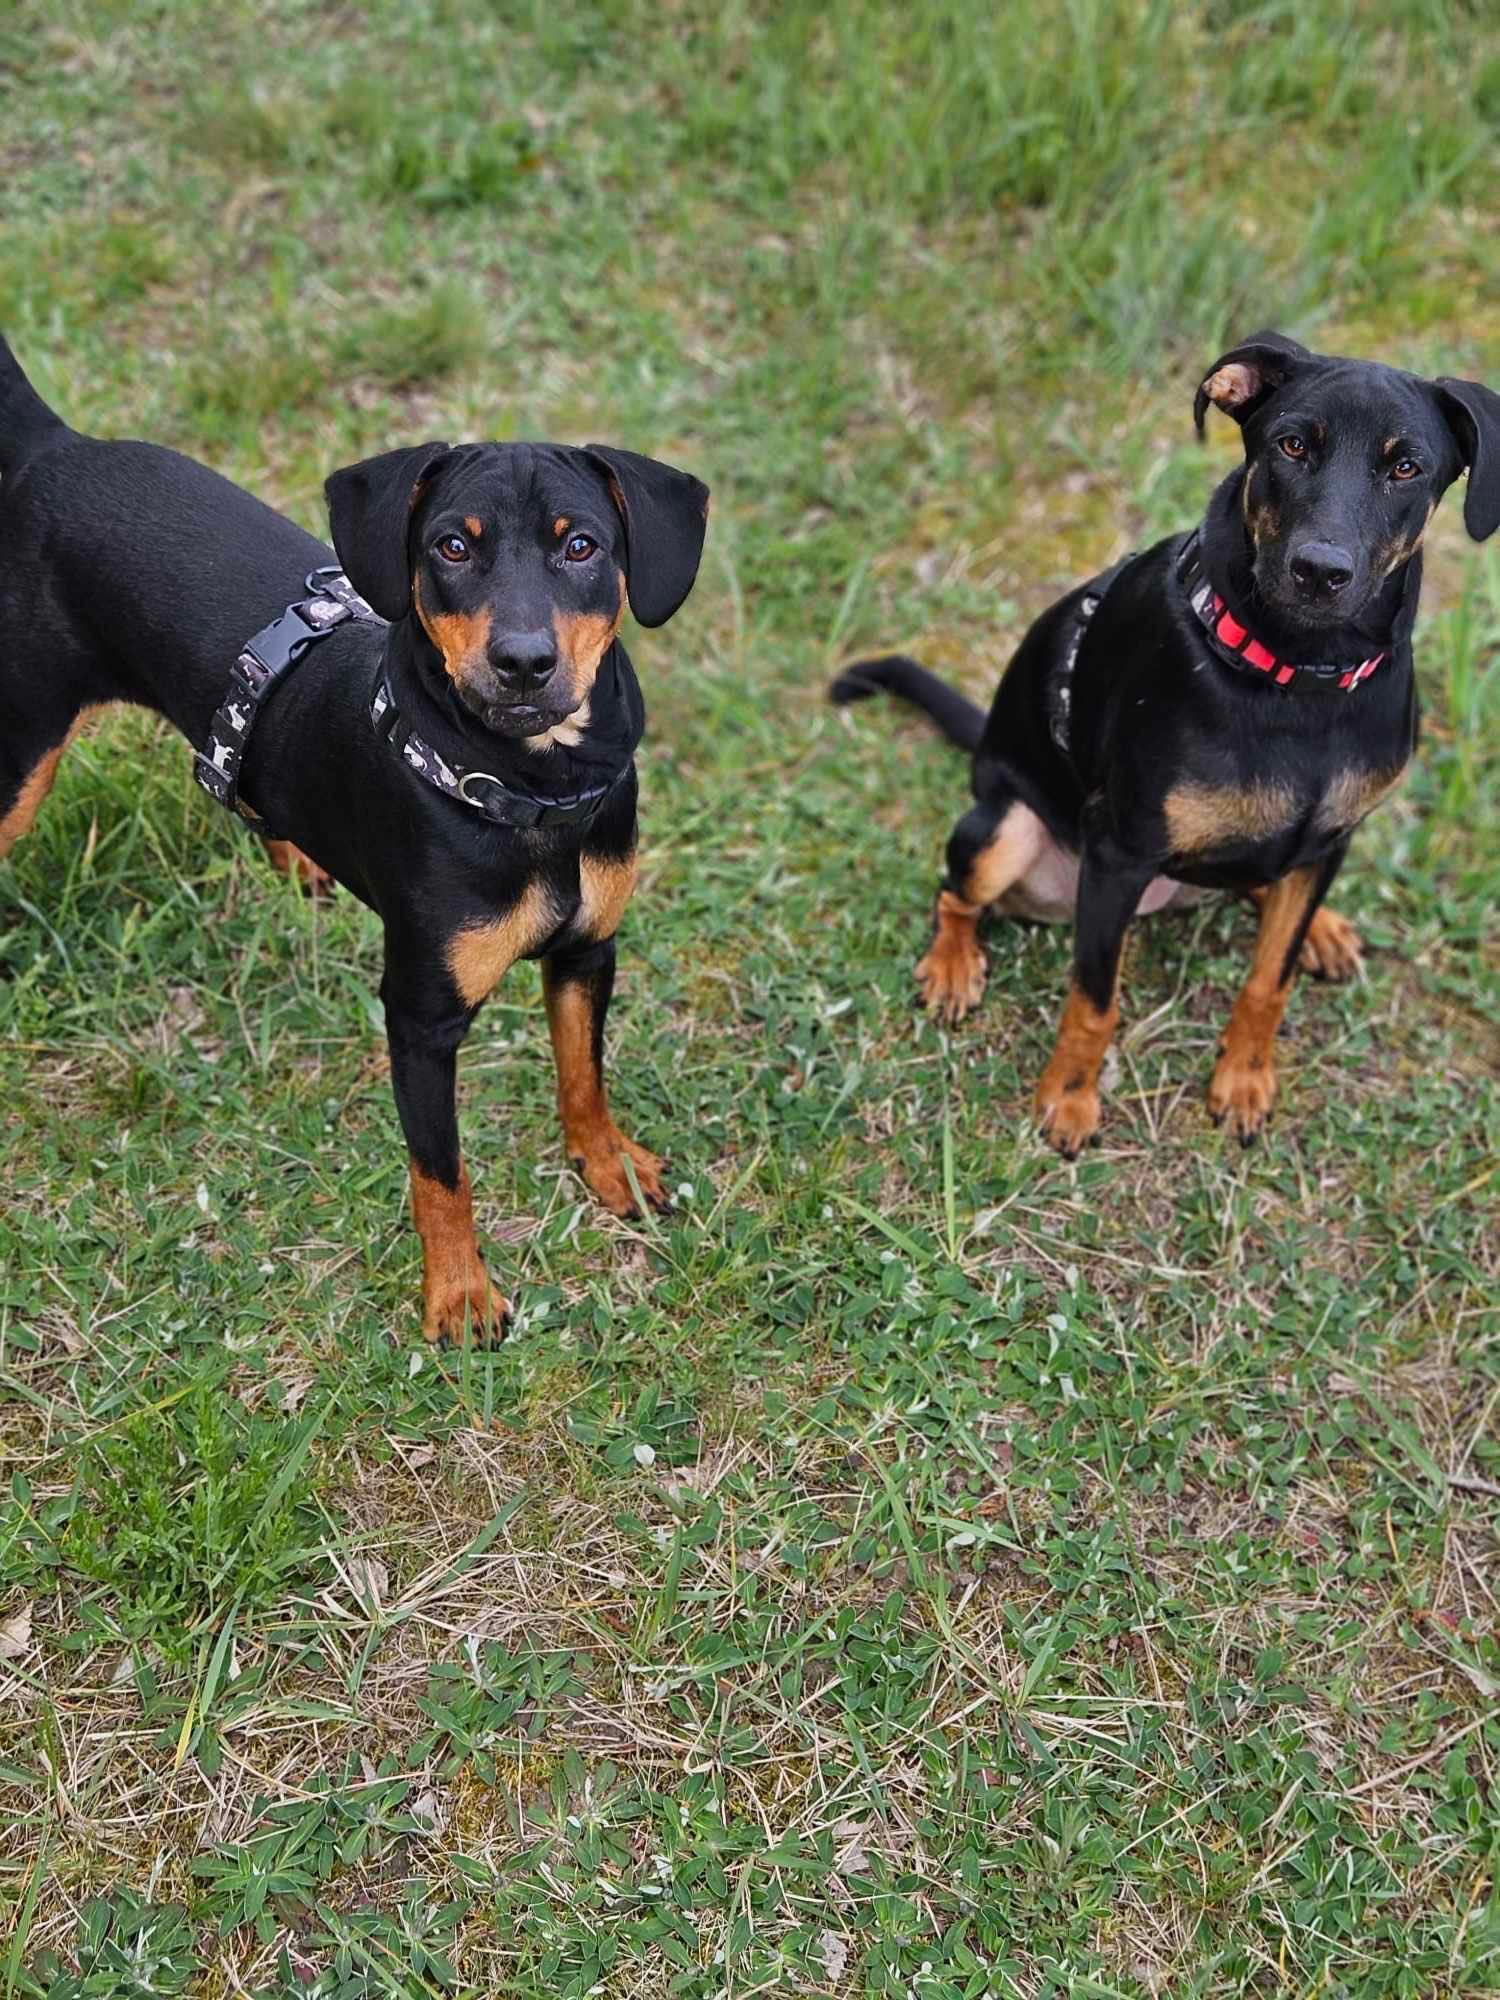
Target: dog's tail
column 960, row 719
column 25, row 420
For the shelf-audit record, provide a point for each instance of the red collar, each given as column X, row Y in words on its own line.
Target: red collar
column 1236, row 647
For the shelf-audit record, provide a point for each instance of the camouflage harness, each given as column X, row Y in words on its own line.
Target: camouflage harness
column 262, row 663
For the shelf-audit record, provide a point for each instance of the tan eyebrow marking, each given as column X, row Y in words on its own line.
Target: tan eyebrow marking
column 474, row 525
column 561, row 525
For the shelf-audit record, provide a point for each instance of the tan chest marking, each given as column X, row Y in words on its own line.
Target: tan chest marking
column 480, row 956
column 1354, row 794
column 605, row 887
column 1206, row 816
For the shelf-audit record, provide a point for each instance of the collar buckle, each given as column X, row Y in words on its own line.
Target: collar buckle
column 506, row 808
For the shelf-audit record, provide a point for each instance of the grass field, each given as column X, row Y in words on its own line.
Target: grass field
column 916, row 1566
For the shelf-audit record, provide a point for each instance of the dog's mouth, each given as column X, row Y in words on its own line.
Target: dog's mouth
column 514, row 719
column 1298, row 612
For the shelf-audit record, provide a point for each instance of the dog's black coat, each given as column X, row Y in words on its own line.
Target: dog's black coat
column 129, row 573
column 1313, row 542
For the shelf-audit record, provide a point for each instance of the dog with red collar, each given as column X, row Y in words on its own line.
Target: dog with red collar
column 1218, row 712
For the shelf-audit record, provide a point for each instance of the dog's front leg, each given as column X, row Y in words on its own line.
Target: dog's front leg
column 1243, row 1088
column 577, row 985
column 425, row 1028
column 1067, row 1098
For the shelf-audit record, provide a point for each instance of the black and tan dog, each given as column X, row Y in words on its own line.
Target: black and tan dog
column 128, row 573
column 1219, row 712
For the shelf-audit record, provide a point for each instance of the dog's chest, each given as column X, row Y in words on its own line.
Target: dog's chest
column 1206, row 818
column 1352, row 794
column 605, row 885
column 579, row 902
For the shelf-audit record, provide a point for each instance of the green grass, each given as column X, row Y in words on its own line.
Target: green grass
column 916, row 1566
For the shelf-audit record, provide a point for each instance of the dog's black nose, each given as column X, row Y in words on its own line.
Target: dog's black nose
column 1321, row 569
column 523, row 661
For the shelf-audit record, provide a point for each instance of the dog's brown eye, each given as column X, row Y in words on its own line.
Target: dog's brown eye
column 579, row 548
column 453, row 548
column 1292, row 447
column 1405, row 468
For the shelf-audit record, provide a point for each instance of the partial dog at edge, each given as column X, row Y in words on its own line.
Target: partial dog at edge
column 129, row 573
column 1219, row 712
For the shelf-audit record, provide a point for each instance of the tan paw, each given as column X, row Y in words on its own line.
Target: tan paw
column 1332, row 948
column 1068, row 1116
column 951, row 978
column 469, row 1305
column 603, row 1167
column 1241, row 1094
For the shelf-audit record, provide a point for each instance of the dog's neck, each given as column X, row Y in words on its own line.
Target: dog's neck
column 595, row 744
column 1383, row 626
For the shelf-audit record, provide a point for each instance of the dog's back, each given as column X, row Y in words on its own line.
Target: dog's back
column 135, row 572
column 27, row 424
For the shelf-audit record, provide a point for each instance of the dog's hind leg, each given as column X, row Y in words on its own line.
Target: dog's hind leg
column 29, row 756
column 1332, row 949
column 288, row 859
column 991, row 848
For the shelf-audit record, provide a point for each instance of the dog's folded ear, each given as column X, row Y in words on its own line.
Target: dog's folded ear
column 1239, row 379
column 666, row 517
column 1473, row 414
column 369, row 515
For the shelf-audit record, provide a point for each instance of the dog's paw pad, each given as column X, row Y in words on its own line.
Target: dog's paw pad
column 603, row 1167
column 1241, row 1095
column 471, row 1308
column 1068, row 1118
column 951, row 980
column 1332, row 948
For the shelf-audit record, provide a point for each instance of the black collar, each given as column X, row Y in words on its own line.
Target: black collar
column 484, row 793
column 273, row 651
column 1237, row 646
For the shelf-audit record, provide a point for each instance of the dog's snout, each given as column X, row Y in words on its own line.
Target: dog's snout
column 523, row 661
column 1322, row 569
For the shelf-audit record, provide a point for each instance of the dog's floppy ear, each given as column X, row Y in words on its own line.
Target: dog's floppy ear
column 1239, row 379
column 1473, row 414
column 666, row 517
column 369, row 512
